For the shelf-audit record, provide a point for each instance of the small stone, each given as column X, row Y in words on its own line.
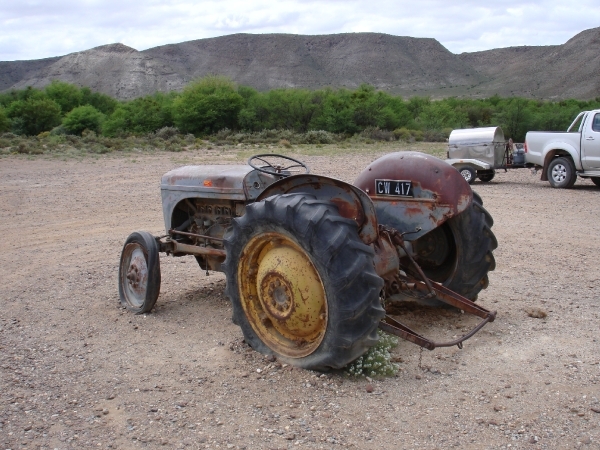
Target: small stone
column 418, row 377
column 536, row 313
column 290, row 436
column 369, row 388
column 498, row 408
column 596, row 409
column 270, row 358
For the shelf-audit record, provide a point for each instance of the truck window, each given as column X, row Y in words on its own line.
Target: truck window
column 596, row 123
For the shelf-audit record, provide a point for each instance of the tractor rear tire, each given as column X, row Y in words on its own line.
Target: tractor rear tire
column 302, row 284
column 458, row 254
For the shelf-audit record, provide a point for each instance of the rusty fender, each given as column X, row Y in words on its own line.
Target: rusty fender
column 438, row 193
column 352, row 202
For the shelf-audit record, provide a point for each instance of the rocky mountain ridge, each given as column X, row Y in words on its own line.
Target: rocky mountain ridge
column 398, row 64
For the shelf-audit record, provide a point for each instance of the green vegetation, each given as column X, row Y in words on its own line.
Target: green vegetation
column 83, row 118
column 214, row 107
column 377, row 362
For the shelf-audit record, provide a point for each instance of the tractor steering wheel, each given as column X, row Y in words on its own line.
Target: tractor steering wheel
column 275, row 169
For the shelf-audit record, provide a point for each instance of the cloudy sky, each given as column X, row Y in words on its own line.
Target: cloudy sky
column 32, row 29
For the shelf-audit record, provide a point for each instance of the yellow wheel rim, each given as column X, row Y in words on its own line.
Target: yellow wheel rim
column 282, row 295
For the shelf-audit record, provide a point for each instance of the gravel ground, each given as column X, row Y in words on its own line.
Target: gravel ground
column 77, row 371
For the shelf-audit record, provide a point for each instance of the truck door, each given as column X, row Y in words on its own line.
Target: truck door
column 590, row 143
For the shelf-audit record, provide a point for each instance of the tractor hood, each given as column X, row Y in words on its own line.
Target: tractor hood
column 208, row 181
column 238, row 183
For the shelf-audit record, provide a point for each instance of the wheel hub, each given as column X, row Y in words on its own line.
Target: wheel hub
column 137, row 273
column 282, row 295
column 559, row 173
column 276, row 293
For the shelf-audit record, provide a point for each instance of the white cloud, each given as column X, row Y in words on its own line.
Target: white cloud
column 38, row 29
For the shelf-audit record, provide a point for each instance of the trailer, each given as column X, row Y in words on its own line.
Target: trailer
column 479, row 152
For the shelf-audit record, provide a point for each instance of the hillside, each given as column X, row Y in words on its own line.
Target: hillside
column 401, row 65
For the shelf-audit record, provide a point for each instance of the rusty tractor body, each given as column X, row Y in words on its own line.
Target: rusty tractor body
column 311, row 260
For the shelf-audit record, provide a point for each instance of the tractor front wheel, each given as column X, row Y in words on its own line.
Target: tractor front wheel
column 302, row 284
column 139, row 272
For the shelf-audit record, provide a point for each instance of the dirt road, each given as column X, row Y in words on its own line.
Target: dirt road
column 77, row 371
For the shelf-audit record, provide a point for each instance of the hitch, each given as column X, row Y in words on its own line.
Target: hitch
column 431, row 289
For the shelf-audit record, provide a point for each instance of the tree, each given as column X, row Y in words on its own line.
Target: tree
column 207, row 106
column 83, row 118
column 439, row 115
column 4, row 122
column 102, row 102
column 68, row 96
column 34, row 115
column 514, row 117
column 142, row 115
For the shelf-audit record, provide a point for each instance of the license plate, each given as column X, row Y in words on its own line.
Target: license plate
column 398, row 188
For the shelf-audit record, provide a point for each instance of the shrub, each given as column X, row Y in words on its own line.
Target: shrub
column 4, row 122
column 207, row 105
column 377, row 134
column 377, row 362
column 34, row 115
column 402, row 134
column 166, row 133
column 83, row 118
column 319, row 137
column 68, row 96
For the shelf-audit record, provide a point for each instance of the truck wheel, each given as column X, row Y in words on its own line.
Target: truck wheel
column 468, row 173
column 596, row 180
column 561, row 173
column 458, row 254
column 302, row 284
column 486, row 177
column 139, row 273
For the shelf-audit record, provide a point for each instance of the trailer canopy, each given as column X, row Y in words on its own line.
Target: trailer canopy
column 486, row 145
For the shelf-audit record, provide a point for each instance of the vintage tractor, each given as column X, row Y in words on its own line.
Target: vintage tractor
column 310, row 261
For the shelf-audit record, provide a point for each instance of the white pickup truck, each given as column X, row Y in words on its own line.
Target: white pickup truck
column 564, row 155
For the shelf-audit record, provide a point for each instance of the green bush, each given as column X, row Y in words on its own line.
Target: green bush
column 377, row 134
column 4, row 122
column 377, row 362
column 102, row 102
column 166, row 133
column 83, row 118
column 140, row 116
column 207, row 106
column 34, row 115
column 67, row 96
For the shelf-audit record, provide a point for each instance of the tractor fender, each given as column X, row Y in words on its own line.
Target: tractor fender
column 351, row 201
column 437, row 192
